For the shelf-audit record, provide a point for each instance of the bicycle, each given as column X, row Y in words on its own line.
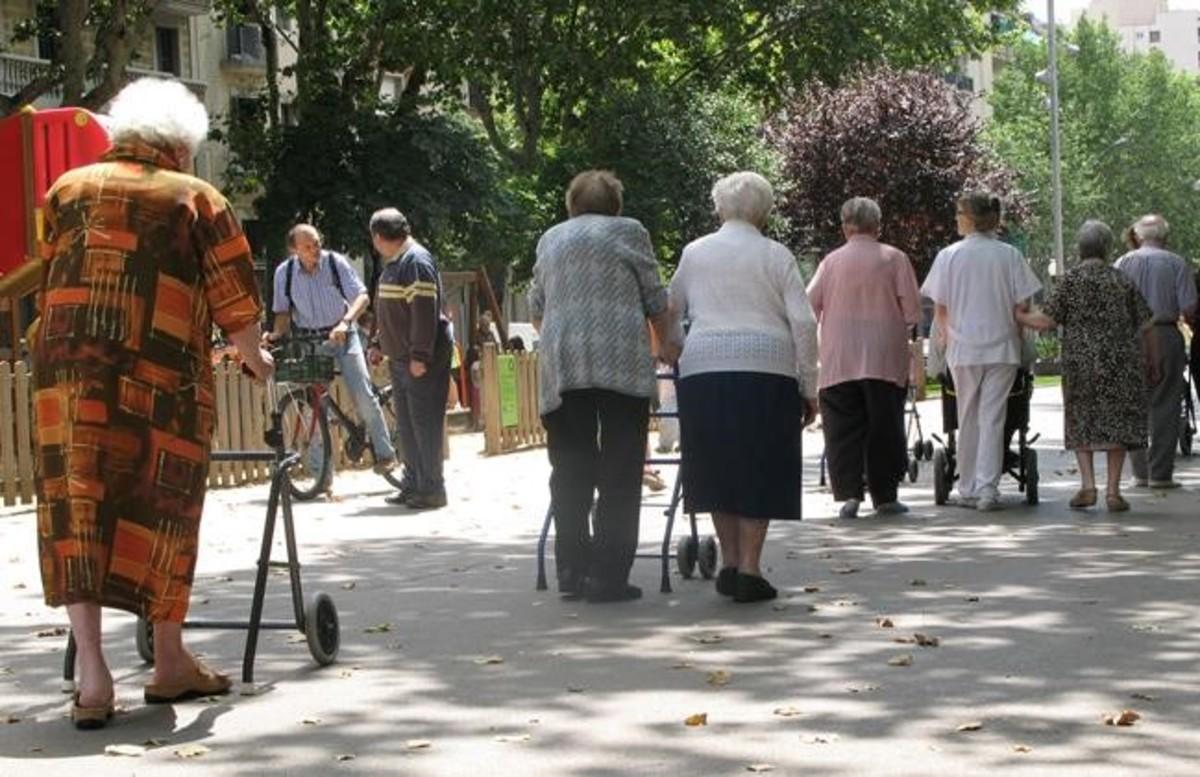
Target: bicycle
column 305, row 374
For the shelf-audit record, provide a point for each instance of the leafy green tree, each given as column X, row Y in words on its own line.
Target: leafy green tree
column 1130, row 142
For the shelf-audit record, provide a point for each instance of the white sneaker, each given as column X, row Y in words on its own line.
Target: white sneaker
column 987, row 504
column 849, row 509
column 892, row 508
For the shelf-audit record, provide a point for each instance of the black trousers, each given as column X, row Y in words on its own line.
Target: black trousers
column 864, row 427
column 421, row 420
column 597, row 442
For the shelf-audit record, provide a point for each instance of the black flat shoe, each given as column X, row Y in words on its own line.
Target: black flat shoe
column 426, row 501
column 752, row 588
column 727, row 581
column 619, row 593
column 571, row 588
column 398, row 499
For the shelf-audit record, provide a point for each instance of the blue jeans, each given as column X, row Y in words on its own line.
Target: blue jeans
column 353, row 365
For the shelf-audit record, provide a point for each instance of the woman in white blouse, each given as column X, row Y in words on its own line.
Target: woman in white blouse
column 748, row 380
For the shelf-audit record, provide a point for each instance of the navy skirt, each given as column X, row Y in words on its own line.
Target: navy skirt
column 740, row 440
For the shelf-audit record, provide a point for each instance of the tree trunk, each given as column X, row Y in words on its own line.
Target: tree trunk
column 271, row 50
column 116, row 43
column 71, row 16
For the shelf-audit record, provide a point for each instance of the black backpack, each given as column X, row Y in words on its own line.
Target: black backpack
column 333, row 267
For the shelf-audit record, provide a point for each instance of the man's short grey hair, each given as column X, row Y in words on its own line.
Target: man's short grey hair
column 390, row 224
column 1095, row 240
column 1153, row 228
column 862, row 213
column 743, row 196
column 164, row 114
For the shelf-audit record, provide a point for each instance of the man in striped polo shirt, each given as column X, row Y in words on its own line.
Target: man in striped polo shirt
column 318, row 294
column 415, row 336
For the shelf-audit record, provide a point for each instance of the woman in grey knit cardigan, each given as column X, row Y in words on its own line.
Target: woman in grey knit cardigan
column 595, row 284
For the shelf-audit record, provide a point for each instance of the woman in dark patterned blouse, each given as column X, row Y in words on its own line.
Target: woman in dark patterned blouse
column 1105, row 370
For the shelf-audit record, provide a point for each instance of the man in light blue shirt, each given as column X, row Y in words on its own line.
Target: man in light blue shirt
column 318, row 294
column 1169, row 287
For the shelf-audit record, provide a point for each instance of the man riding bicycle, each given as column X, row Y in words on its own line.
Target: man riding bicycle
column 318, row 295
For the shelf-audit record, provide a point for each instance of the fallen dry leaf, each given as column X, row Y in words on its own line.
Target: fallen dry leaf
column 904, row 660
column 349, row 586
column 825, row 635
column 905, row 640
column 1022, row 749
column 925, row 640
column 574, row 689
column 682, row 665
column 5, row 671
column 917, row 582
column 489, row 660
column 792, row 554
column 344, row 757
column 132, row 751
column 311, row 722
column 868, row 688
column 418, row 744
column 699, row 719
column 154, row 742
column 779, row 607
column 378, row 628
column 57, row 631
column 296, row 639
column 811, row 589
column 974, row 725
column 719, row 678
column 971, row 599
column 884, row 623
column 710, row 639
column 1122, row 718
column 191, row 751
column 11, row 719
column 845, row 570
column 760, row 768
column 1143, row 697
column 514, row 738
column 788, row 712
column 819, row 739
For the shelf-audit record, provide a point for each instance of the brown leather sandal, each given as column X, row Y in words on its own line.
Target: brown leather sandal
column 91, row 718
column 203, row 682
column 1084, row 497
column 1116, row 503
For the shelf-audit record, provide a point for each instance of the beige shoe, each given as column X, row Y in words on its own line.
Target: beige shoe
column 91, row 718
column 1116, row 503
column 1084, row 497
column 203, row 682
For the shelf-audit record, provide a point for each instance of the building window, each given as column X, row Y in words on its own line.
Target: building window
column 244, row 43
column 166, row 50
column 244, row 112
column 1155, row 36
column 1140, row 35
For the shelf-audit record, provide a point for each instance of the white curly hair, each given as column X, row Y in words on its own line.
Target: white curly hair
column 159, row 112
column 743, row 196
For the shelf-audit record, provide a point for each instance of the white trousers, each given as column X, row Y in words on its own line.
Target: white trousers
column 668, row 428
column 982, row 391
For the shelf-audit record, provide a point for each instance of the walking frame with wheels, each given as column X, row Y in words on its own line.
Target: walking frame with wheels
column 305, row 374
column 1187, row 412
column 1020, row 464
column 317, row 620
column 692, row 552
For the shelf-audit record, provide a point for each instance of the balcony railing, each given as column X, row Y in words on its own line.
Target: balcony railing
column 187, row 7
column 16, row 71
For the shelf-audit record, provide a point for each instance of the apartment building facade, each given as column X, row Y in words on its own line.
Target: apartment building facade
column 1152, row 25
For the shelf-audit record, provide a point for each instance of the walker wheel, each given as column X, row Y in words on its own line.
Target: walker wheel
column 914, row 470
column 321, row 629
column 1031, row 476
column 1185, row 440
column 928, row 450
column 941, row 477
column 143, row 637
column 687, row 553
column 707, row 560
column 918, row 450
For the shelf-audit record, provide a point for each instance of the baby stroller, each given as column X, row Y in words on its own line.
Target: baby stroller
column 1021, row 464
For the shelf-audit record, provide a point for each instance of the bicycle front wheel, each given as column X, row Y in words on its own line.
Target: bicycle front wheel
column 384, row 394
column 306, row 431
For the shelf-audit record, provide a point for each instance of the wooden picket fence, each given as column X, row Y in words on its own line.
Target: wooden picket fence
column 528, row 430
column 243, row 416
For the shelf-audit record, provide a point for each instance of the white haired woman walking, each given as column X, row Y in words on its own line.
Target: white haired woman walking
column 143, row 259
column 748, row 380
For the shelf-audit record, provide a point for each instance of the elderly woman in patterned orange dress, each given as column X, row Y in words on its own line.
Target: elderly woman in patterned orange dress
column 141, row 260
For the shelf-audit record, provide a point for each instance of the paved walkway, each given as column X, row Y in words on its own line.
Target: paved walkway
column 452, row 665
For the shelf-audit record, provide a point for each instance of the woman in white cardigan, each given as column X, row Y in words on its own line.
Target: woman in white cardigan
column 748, row 380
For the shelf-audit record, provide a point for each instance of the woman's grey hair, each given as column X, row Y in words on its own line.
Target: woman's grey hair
column 862, row 213
column 1095, row 240
column 743, row 196
column 1153, row 228
column 595, row 191
column 390, row 224
column 164, row 114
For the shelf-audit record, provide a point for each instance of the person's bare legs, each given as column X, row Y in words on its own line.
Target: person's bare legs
column 729, row 538
column 1116, row 463
column 172, row 661
column 94, row 682
column 752, row 534
column 1087, row 467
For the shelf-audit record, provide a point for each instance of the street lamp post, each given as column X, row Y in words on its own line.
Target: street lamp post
column 1055, row 152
